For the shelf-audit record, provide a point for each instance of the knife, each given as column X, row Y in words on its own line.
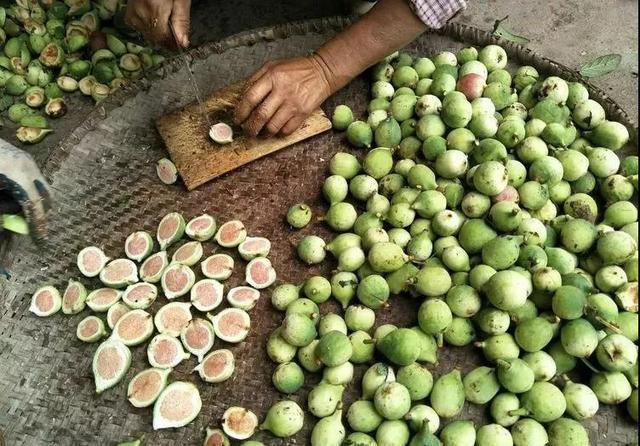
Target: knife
column 192, row 79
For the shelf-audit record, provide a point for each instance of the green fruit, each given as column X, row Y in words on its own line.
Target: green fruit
column 339, row 375
column 363, row 347
column 565, row 431
column 474, row 234
column 308, row 359
column 16, row 85
column 400, row 215
column 569, row 302
column 499, row 346
column 493, row 56
column 480, row 385
column 386, row 257
column 442, row 85
column 373, row 291
column 544, row 403
column 502, row 406
column 317, row 289
column 299, row 215
column 335, row 189
column 564, row 361
column 579, row 338
column 284, row 419
column 448, row 395
column 610, row 387
column 609, row 134
column 534, row 334
column 542, row 364
column 344, row 164
column 550, row 111
column 479, row 275
column 387, row 134
column 430, row 125
column 393, row 433
column 515, row 375
column 508, row 290
column 417, row 379
column 494, row 435
column 359, row 134
column 351, row 259
column 341, row 216
column 288, row 377
column 362, row 187
column 490, row 178
column 400, row 346
column 528, row 432
column 323, row 399
column 311, row 249
column 331, row 322
column 363, row 417
column 501, row 252
column 616, row 353
column 392, row 400
column 499, row 93
column 278, row 349
column 582, row 402
column 616, row 247
column 458, row 433
column 329, row 431
column 484, row 126
column 298, row 330
column 342, row 117
column 402, row 107
column 433, row 281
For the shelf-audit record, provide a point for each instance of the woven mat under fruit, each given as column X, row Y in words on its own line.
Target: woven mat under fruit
column 103, row 175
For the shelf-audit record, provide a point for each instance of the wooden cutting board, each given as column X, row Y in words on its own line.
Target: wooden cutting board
column 185, row 132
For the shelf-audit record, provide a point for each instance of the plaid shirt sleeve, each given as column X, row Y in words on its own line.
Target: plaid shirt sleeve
column 436, row 13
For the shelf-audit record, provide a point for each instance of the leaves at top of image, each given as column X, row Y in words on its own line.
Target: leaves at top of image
column 501, row 31
column 601, row 65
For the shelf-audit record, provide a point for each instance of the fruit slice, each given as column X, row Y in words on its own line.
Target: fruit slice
column 259, row 273
column 177, row 280
column 170, row 229
column 178, row 404
column 172, row 318
column 140, row 295
column 254, row 247
column 231, row 324
column 215, row 437
column 217, row 266
column 45, row 301
column 221, row 133
column 102, row 299
column 116, row 311
column 165, row 352
column 110, row 362
column 153, row 267
column 119, row 273
column 133, row 328
column 74, row 298
column 188, row 254
column 201, row 228
column 243, row 297
column 138, row 245
column 91, row 260
column 231, row 234
column 239, row 423
column 197, row 337
column 90, row 329
column 206, row 294
column 166, row 171
column 146, row 386
column 217, row 366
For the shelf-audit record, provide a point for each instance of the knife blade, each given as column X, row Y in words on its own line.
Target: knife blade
column 192, row 80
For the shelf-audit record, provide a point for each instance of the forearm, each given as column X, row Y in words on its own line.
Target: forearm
column 391, row 24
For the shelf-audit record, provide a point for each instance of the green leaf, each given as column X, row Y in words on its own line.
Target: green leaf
column 601, row 65
column 501, row 31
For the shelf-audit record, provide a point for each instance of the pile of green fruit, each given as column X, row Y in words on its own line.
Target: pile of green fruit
column 51, row 48
column 499, row 200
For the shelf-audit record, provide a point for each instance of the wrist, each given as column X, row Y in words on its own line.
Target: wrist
column 328, row 70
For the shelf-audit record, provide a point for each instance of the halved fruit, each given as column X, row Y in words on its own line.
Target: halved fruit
column 102, row 299
column 172, row 318
column 119, row 273
column 74, row 298
column 146, row 386
column 138, row 245
column 215, row 437
column 177, row 280
column 201, row 228
column 206, row 294
column 90, row 329
column 239, row 423
column 260, row 273
column 165, row 352
column 217, row 366
column 153, row 267
column 254, row 247
column 231, row 324
column 140, row 295
column 45, row 301
column 221, row 133
column 133, row 328
column 110, row 363
column 178, row 404
column 243, row 297
column 231, row 234
column 166, row 171
column 217, row 266
column 197, row 337
column 188, row 254
column 91, row 260
column 115, row 312
column 170, row 229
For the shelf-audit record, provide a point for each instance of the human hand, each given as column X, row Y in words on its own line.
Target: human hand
column 154, row 18
column 281, row 94
column 22, row 182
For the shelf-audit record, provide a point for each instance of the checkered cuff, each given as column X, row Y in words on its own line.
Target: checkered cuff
column 436, row 13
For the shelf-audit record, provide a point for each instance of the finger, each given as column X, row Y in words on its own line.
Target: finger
column 259, row 73
column 291, row 126
column 279, row 119
column 180, row 18
column 159, row 31
column 251, row 98
column 37, row 220
column 262, row 114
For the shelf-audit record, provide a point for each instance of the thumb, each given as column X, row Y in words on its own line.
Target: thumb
column 180, row 18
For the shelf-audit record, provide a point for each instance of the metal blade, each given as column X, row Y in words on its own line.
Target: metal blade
column 192, row 79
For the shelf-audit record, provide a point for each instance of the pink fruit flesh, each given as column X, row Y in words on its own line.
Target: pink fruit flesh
column 239, row 421
column 197, row 336
column 176, row 280
column 207, row 295
column 259, row 272
column 175, row 320
column 145, row 386
column 199, row 224
column 91, row 261
column 254, row 245
column 168, row 227
column 165, row 352
column 152, row 266
column 44, row 300
column 215, row 364
column 177, row 405
column 140, row 293
column 509, row 193
column 109, row 362
column 165, row 172
column 230, row 231
column 217, row 265
column 89, row 328
column 215, row 439
column 71, row 295
column 232, row 324
column 104, row 296
column 137, row 245
column 132, row 326
column 117, row 270
column 117, row 314
column 471, row 85
column 245, row 294
column 184, row 252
